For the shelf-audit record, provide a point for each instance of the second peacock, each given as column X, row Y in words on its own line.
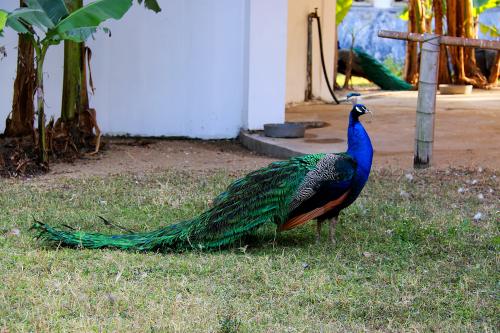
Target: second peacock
column 288, row 193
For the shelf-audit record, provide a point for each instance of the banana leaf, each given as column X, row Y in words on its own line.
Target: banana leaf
column 89, row 17
column 151, row 5
column 54, row 9
column 490, row 30
column 3, row 20
column 343, row 7
column 482, row 5
column 21, row 18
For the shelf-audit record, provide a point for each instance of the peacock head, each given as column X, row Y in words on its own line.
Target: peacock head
column 360, row 109
column 357, row 108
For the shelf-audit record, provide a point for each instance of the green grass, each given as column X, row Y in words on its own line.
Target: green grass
column 414, row 264
column 356, row 81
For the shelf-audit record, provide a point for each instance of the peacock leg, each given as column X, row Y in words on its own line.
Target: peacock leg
column 331, row 230
column 319, row 224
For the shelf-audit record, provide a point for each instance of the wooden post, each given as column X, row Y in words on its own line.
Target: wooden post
column 426, row 104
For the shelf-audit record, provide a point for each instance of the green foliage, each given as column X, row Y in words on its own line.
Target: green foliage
column 489, row 30
column 80, row 24
column 52, row 18
column 3, row 20
column 343, row 7
column 482, row 5
column 393, row 66
column 23, row 19
column 46, row 23
column 151, row 5
column 54, row 9
column 405, row 14
column 229, row 324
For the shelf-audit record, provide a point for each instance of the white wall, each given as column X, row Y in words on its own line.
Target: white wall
column 193, row 70
column 297, row 48
column 267, row 39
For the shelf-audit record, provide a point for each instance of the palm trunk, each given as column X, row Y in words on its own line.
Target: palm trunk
column 21, row 120
column 71, row 81
column 85, row 62
column 72, row 78
column 42, row 140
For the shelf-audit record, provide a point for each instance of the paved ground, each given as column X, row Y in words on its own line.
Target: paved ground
column 467, row 129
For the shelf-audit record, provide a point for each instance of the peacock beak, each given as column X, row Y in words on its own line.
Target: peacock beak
column 371, row 114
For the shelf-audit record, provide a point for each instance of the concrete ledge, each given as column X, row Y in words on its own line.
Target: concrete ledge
column 257, row 142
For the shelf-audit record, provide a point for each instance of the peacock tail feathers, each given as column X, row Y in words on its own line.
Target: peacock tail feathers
column 376, row 72
column 260, row 197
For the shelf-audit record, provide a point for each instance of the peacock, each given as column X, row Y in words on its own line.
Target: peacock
column 288, row 193
column 366, row 66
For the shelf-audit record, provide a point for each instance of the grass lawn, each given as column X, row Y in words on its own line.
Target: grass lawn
column 404, row 261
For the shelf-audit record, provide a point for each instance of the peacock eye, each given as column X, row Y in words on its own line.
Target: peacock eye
column 360, row 110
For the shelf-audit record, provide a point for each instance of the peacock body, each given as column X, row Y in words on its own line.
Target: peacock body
column 288, row 193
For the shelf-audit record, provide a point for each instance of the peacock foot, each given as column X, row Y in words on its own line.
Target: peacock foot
column 331, row 230
column 319, row 224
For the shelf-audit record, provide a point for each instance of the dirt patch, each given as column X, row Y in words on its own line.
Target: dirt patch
column 147, row 155
column 18, row 158
column 141, row 156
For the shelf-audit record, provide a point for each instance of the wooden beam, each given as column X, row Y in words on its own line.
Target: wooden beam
column 446, row 40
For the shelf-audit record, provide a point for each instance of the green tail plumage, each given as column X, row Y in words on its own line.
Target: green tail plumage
column 376, row 72
column 260, row 197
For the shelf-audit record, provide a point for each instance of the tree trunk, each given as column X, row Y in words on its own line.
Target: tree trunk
column 451, row 18
column 416, row 24
column 461, row 24
column 42, row 140
column 470, row 66
column 495, row 71
column 21, row 119
column 444, row 73
column 72, row 79
column 84, row 93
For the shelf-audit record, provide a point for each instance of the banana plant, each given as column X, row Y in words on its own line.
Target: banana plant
column 341, row 10
column 48, row 22
column 479, row 7
column 75, row 96
column 3, row 20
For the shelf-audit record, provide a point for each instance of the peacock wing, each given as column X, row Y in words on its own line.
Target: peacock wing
column 324, row 188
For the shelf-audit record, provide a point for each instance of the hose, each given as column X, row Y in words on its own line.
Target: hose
column 330, row 88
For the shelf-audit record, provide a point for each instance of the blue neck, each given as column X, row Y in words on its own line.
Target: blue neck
column 359, row 145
